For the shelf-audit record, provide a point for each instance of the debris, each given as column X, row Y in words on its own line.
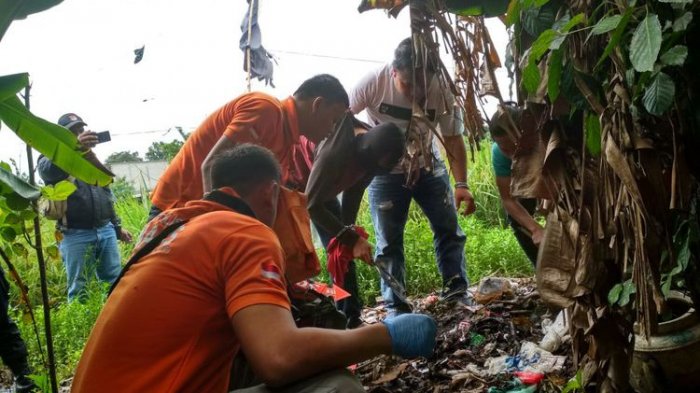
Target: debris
column 467, row 339
column 491, row 289
column 529, row 377
column 556, row 333
column 391, row 375
column 530, row 358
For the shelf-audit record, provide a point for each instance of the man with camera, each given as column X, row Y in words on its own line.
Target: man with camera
column 89, row 229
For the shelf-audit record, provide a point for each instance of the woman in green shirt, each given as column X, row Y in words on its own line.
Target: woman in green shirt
column 527, row 231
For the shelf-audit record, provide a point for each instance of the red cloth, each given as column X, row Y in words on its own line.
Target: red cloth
column 339, row 256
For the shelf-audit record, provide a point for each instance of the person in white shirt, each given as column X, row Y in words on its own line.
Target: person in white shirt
column 388, row 94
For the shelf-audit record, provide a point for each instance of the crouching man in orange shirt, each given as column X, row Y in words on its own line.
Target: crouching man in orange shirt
column 215, row 286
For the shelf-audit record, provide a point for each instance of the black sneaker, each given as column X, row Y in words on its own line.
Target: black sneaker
column 458, row 294
column 24, row 385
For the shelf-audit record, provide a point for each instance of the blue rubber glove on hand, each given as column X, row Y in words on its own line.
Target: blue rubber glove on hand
column 412, row 335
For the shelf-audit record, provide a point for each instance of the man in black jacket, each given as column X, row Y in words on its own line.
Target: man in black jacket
column 90, row 228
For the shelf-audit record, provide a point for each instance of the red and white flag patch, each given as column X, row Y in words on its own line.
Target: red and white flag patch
column 271, row 271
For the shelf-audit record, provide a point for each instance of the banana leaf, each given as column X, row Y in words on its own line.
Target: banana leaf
column 19, row 9
column 19, row 186
column 55, row 142
column 487, row 8
column 10, row 85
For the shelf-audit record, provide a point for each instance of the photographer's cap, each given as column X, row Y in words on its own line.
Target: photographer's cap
column 69, row 120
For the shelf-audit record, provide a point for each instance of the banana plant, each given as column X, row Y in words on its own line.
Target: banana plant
column 19, row 9
column 55, row 142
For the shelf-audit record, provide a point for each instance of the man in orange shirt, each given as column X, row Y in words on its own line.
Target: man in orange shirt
column 214, row 286
column 251, row 118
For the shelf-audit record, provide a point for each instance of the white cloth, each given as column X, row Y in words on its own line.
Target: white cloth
column 377, row 93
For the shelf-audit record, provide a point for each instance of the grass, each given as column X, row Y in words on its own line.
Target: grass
column 491, row 250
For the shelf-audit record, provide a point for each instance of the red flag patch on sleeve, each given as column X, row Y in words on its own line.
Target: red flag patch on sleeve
column 271, row 271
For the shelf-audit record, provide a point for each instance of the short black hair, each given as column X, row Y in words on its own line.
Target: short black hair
column 244, row 167
column 323, row 85
column 499, row 120
column 403, row 57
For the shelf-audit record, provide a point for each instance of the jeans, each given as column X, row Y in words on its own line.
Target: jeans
column 389, row 202
column 351, row 306
column 13, row 351
column 524, row 240
column 86, row 252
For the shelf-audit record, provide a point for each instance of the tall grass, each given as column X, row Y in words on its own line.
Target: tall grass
column 491, row 250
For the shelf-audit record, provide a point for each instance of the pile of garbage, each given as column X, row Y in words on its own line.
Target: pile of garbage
column 509, row 342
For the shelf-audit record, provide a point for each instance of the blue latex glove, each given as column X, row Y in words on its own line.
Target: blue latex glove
column 412, row 335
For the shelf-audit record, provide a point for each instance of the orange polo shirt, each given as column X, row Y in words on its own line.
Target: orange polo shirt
column 251, row 118
column 167, row 326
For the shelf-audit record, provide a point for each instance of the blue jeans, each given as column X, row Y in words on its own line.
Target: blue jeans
column 389, row 202
column 86, row 252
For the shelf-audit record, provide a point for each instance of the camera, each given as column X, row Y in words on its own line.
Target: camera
column 103, row 136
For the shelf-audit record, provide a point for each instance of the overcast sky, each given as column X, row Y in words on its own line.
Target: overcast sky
column 79, row 56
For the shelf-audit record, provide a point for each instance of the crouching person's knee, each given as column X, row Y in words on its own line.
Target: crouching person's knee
column 335, row 381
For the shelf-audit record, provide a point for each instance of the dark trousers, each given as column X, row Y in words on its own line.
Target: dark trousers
column 153, row 213
column 351, row 306
column 521, row 235
column 13, row 351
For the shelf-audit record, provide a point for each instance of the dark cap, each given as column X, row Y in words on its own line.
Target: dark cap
column 69, row 120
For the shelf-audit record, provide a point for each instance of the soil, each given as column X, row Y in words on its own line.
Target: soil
column 467, row 337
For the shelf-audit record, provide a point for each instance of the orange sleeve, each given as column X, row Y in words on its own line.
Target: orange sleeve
column 253, row 271
column 253, row 117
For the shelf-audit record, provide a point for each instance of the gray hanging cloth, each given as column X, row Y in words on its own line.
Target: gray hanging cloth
column 260, row 59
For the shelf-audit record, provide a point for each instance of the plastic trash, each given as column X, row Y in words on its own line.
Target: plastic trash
column 556, row 333
column 530, row 358
column 529, row 377
column 491, row 289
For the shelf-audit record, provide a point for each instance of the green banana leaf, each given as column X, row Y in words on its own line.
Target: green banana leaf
column 19, row 9
column 55, row 142
column 22, row 188
column 487, row 8
column 10, row 85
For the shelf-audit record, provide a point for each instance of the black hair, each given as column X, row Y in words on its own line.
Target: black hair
column 386, row 140
column 244, row 167
column 499, row 120
column 323, row 85
column 403, row 57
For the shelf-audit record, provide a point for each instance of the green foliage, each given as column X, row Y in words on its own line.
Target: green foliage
column 55, row 142
column 70, row 325
column 19, row 9
column 575, row 384
column 592, row 126
column 646, row 44
column 11, row 183
column 122, row 189
column 59, row 191
column 659, row 96
column 555, row 70
column 123, row 156
column 163, row 151
column 621, row 293
column 606, row 24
